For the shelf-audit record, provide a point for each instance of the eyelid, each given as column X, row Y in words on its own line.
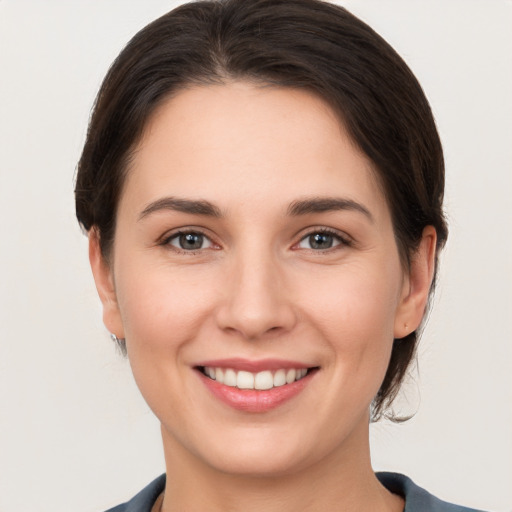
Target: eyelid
column 177, row 236
column 343, row 239
column 165, row 240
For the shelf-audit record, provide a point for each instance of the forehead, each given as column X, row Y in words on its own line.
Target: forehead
column 248, row 142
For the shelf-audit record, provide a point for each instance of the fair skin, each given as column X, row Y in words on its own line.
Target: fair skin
column 291, row 262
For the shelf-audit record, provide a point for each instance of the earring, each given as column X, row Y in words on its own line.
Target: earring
column 120, row 343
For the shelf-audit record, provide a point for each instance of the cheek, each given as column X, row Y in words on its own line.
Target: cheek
column 354, row 312
column 161, row 307
column 163, row 310
column 355, row 300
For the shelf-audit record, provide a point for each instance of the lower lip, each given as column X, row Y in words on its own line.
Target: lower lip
column 251, row 400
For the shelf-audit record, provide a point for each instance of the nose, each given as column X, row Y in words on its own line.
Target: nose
column 255, row 302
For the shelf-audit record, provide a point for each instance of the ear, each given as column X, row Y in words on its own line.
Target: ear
column 416, row 288
column 104, row 279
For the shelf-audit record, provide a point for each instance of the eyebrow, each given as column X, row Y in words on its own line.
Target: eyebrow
column 296, row 208
column 193, row 206
column 326, row 204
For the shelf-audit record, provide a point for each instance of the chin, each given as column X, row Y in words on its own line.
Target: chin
column 273, row 452
column 259, row 462
column 256, row 450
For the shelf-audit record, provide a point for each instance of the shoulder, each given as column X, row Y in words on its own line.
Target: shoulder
column 145, row 499
column 416, row 498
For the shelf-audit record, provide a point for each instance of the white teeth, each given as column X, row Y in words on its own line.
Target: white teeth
column 260, row 381
column 230, row 377
column 279, row 378
column 264, row 380
column 245, row 380
column 290, row 375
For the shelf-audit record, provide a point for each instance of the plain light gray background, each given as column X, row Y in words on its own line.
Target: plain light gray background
column 74, row 432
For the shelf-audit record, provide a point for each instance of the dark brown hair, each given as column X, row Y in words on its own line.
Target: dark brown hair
column 307, row 44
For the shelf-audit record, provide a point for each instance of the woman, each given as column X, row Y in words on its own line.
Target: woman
column 262, row 185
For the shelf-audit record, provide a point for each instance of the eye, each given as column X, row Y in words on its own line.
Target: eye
column 189, row 241
column 321, row 241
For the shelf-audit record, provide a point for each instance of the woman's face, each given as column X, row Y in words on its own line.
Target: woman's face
column 252, row 240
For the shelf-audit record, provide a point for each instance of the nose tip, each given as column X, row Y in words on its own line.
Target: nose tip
column 256, row 305
column 253, row 325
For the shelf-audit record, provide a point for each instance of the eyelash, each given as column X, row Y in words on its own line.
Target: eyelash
column 342, row 240
column 166, row 242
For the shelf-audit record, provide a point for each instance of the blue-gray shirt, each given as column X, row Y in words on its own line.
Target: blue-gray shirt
column 416, row 498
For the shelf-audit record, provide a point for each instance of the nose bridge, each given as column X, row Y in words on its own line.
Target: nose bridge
column 256, row 302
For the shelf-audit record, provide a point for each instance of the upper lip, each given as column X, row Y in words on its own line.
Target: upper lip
column 253, row 366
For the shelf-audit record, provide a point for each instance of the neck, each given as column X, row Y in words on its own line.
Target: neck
column 343, row 480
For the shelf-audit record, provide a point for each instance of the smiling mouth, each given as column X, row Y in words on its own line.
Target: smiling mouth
column 260, row 381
